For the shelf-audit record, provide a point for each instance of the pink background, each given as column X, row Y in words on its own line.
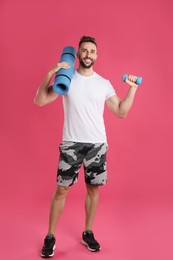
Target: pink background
column 134, row 219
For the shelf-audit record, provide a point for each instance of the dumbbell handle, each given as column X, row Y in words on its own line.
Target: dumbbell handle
column 138, row 80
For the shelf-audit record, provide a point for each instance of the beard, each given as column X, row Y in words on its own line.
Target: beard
column 84, row 65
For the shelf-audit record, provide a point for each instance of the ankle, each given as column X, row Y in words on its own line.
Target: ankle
column 50, row 234
column 88, row 230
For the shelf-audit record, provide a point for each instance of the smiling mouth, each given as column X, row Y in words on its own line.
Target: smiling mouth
column 87, row 60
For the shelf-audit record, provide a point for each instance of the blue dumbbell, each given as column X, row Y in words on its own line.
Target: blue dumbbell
column 138, row 81
column 63, row 77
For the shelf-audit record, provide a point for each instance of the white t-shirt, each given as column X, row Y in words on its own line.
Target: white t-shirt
column 84, row 107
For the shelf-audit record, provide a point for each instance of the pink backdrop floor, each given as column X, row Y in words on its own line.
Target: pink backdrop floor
column 128, row 228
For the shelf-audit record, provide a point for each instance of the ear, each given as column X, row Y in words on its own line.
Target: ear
column 77, row 54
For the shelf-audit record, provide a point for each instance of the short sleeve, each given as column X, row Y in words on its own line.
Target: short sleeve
column 110, row 90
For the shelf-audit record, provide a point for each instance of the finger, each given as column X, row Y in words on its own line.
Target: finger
column 64, row 65
column 132, row 78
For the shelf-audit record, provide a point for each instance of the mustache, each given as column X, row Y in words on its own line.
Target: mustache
column 88, row 59
column 86, row 64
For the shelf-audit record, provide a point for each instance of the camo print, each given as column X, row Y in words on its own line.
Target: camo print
column 73, row 155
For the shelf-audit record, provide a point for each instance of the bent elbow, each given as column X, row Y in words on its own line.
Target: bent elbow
column 38, row 102
column 122, row 116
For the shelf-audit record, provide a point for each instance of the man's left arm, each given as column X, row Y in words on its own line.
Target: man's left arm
column 122, row 107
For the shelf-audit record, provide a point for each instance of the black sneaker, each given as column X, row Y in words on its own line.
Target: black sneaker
column 89, row 241
column 49, row 246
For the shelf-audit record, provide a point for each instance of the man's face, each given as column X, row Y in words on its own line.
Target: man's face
column 87, row 54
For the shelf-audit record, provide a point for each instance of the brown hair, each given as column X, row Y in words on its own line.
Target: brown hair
column 87, row 39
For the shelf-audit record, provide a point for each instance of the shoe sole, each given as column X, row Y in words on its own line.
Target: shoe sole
column 48, row 256
column 90, row 249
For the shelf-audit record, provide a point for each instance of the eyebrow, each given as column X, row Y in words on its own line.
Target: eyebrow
column 84, row 49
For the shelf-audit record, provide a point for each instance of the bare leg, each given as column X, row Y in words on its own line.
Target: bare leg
column 57, row 206
column 91, row 203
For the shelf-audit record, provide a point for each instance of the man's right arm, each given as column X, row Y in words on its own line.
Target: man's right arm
column 45, row 93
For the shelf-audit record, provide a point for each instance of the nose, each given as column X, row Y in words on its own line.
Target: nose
column 88, row 54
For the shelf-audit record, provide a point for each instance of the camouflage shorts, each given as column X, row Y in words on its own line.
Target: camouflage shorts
column 73, row 155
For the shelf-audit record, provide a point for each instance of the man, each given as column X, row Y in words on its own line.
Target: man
column 84, row 137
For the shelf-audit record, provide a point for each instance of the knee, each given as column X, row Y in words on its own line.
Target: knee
column 61, row 191
column 92, row 190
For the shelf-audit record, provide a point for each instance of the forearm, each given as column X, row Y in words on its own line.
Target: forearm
column 45, row 93
column 126, row 103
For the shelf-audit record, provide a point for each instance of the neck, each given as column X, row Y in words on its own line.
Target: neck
column 85, row 72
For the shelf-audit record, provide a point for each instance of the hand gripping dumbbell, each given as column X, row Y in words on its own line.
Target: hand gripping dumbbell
column 138, row 80
column 63, row 77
